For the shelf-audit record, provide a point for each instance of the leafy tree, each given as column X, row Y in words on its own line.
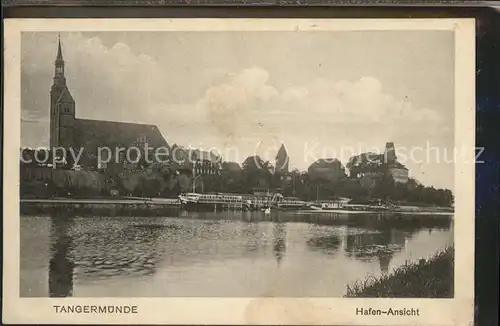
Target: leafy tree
column 230, row 179
column 256, row 173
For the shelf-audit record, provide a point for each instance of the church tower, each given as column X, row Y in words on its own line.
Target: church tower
column 282, row 160
column 390, row 153
column 62, row 107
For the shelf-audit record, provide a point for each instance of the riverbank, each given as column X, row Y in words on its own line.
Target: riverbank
column 424, row 209
column 120, row 200
column 432, row 278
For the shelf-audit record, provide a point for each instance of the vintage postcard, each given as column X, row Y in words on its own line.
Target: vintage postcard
column 239, row 171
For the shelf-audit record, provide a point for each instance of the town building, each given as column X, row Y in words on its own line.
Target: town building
column 370, row 167
column 398, row 171
column 68, row 131
column 365, row 164
column 328, row 169
column 203, row 162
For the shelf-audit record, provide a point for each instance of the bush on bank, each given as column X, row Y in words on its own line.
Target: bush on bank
column 432, row 278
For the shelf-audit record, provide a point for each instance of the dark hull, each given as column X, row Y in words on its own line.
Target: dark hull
column 210, row 207
column 291, row 207
column 193, row 206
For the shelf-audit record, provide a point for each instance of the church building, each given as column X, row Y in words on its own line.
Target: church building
column 68, row 131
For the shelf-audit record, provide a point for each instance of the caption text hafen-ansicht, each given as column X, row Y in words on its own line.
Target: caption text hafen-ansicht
column 388, row 312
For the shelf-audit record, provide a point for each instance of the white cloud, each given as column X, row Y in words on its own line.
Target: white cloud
column 294, row 93
column 107, row 82
column 248, row 112
column 246, row 99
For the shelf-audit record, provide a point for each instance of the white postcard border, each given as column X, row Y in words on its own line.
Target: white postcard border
column 311, row 311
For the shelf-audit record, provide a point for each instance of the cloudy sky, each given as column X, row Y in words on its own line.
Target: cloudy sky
column 322, row 94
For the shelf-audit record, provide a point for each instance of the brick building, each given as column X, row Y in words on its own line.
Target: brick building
column 68, row 131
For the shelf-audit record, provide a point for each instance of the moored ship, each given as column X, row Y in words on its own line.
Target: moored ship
column 246, row 202
column 211, row 202
column 284, row 203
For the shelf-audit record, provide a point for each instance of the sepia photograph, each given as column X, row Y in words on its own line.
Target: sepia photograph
column 239, row 160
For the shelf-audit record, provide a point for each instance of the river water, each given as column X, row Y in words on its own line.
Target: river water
column 232, row 254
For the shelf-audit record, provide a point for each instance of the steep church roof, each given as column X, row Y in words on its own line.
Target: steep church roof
column 65, row 97
column 92, row 134
column 282, row 159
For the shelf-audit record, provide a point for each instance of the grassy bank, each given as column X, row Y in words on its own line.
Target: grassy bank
column 432, row 278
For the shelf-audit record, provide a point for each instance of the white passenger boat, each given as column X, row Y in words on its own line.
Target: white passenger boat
column 210, row 202
column 290, row 203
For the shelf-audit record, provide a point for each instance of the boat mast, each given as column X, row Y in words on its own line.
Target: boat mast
column 194, row 179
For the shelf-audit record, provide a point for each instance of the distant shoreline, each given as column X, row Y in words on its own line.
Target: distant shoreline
column 158, row 206
column 399, row 212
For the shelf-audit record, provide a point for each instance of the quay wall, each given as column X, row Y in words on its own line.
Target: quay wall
column 98, row 208
column 45, row 182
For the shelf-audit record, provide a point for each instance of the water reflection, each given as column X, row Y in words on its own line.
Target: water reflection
column 381, row 245
column 384, row 260
column 250, row 232
column 279, row 241
column 61, row 265
column 128, row 251
column 372, row 221
column 361, row 244
column 211, row 254
column 368, row 245
column 328, row 244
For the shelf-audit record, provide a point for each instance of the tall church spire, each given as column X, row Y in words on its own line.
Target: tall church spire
column 59, row 51
column 59, row 79
column 62, row 106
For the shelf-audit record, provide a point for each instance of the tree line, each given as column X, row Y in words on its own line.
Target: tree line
column 170, row 179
